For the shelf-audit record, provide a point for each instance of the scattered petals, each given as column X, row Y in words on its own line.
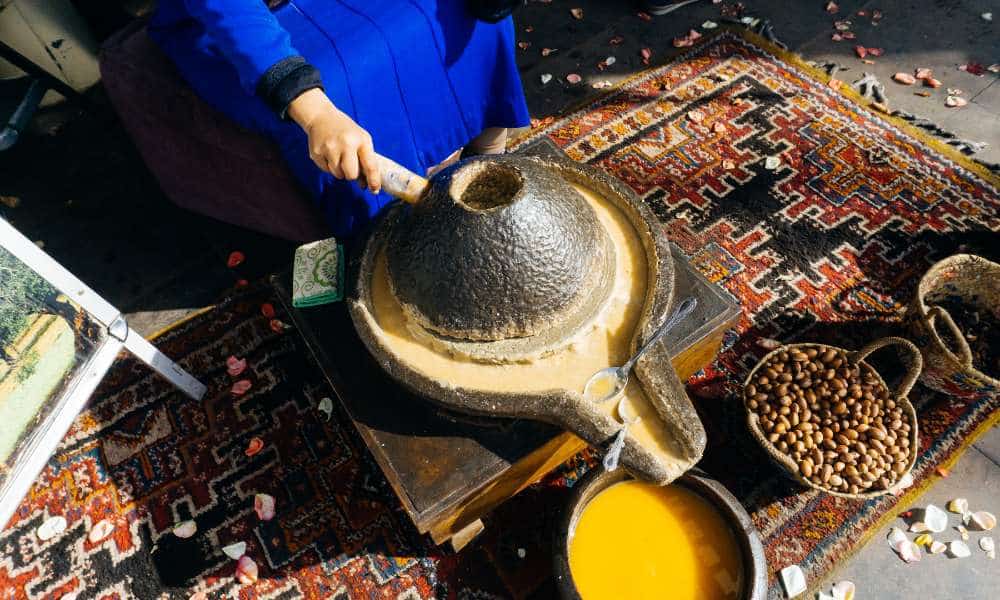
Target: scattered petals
column 279, row 326
column 954, row 92
column 959, row 506
column 908, row 551
column 263, row 504
column 241, row 387
column 955, row 101
column 646, row 54
column 794, row 580
column 601, row 85
column 529, row 29
column 326, row 407
column 644, row 16
column 246, row 570
column 987, row 16
column 922, row 94
column 983, row 521
column 904, row 482
column 834, row 84
column 185, row 529
column 254, row 447
column 52, row 527
column 574, row 78
column 861, row 51
column 959, row 549
column 973, row 68
column 868, row 61
column 576, row 12
column 895, row 536
column 768, row 343
column 831, row 7
column 719, row 127
column 687, row 40
column 933, row 83
column 924, row 539
column 545, row 78
column 842, row 25
column 923, row 73
column 986, row 544
column 242, row 283
column 267, row 309
column 843, row 590
column 875, row 52
column 836, row 37
column 709, row 25
column 548, row 51
column 617, row 40
column 235, row 551
column 935, row 519
column 524, row 45
column 100, row 530
column 772, row 162
column 994, row 68
column 919, row 527
column 963, row 532
column 235, row 366
column 235, row 259
column 696, row 116
column 876, row 15
column 848, row 35
column 904, row 78
column 937, row 547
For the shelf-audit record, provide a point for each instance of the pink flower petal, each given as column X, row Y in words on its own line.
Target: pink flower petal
column 246, row 570
column 574, row 78
column 264, row 505
column 101, row 530
column 235, row 366
column 235, row 259
column 254, row 447
column 241, row 387
column 267, row 309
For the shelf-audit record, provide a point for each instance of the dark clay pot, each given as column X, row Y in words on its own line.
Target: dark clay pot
column 754, row 563
column 519, row 263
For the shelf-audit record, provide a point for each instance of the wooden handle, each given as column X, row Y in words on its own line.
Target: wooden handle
column 400, row 181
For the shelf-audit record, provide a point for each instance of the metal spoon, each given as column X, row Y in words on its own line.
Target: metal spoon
column 627, row 416
column 607, row 384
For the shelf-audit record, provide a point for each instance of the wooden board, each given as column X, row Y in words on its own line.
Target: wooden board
column 450, row 470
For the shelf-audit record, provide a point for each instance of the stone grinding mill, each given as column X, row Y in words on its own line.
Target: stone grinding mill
column 502, row 284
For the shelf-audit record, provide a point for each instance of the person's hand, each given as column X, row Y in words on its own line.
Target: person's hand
column 337, row 144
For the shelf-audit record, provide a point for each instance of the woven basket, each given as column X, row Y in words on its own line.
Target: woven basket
column 914, row 366
column 972, row 280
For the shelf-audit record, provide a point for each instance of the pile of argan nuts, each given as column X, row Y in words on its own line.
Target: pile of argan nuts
column 833, row 418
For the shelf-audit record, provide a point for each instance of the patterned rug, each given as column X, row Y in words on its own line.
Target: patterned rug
column 825, row 243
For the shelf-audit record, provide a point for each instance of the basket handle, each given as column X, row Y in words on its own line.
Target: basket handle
column 965, row 353
column 915, row 366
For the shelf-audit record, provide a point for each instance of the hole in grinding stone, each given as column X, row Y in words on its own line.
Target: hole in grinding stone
column 483, row 186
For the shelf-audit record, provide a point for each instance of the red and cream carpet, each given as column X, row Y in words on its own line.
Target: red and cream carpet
column 824, row 243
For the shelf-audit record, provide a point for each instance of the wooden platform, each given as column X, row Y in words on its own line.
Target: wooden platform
column 450, row 470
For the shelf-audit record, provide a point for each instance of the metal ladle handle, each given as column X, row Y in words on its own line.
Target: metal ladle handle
column 682, row 311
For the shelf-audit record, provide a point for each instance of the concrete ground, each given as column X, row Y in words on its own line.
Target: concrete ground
column 81, row 188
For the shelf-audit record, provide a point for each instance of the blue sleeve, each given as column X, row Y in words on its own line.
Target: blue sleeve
column 248, row 35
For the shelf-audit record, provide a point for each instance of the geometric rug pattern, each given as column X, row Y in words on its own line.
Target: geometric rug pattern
column 816, row 214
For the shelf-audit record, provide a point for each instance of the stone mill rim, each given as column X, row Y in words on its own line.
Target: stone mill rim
column 486, row 186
